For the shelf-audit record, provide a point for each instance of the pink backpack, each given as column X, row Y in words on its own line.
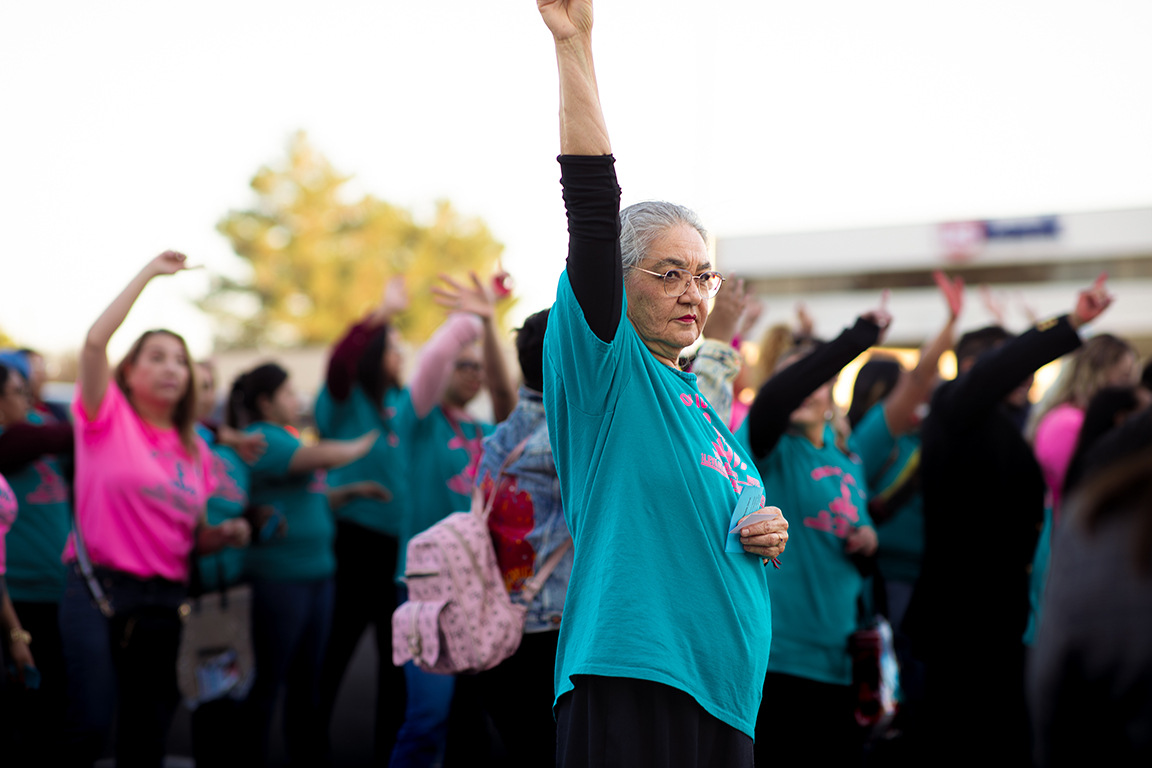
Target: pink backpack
column 459, row 617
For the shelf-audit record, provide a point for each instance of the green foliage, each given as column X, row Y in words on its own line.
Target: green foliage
column 319, row 262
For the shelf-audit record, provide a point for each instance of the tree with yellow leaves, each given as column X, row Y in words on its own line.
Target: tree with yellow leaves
column 318, row 261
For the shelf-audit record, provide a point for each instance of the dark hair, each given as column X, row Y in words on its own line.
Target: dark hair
column 530, row 349
column 976, row 343
column 370, row 373
column 1146, row 376
column 3, row 376
column 243, row 408
column 1099, row 419
column 875, row 381
column 184, row 414
column 1123, row 488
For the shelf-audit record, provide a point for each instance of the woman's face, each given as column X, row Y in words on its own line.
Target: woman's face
column 1124, row 372
column 815, row 407
column 161, row 373
column 668, row 324
column 392, row 360
column 282, row 407
column 205, row 393
column 467, row 378
column 14, row 400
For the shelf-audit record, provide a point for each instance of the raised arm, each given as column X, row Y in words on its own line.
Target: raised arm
column 436, row 360
column 582, row 128
column 94, row 355
column 479, row 301
column 998, row 372
column 915, row 386
column 591, row 194
column 785, row 391
column 347, row 352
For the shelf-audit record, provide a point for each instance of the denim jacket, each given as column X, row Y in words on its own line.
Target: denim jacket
column 527, row 519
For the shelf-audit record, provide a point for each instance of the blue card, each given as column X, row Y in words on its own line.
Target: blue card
column 751, row 499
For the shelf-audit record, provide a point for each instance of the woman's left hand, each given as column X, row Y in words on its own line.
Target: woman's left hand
column 862, row 540
column 766, row 538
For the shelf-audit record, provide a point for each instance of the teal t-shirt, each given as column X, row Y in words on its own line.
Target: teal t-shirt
column 305, row 552
column 902, row 535
column 445, row 455
column 650, row 477
column 389, row 461
column 37, row 537
column 230, row 499
column 823, row 494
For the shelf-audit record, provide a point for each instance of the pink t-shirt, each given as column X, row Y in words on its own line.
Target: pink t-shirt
column 139, row 495
column 1056, row 438
column 7, row 517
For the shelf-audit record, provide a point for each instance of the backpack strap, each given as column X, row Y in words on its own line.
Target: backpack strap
column 515, row 454
column 533, row 585
column 89, row 574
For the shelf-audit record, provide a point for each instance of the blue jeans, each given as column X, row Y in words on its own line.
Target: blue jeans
column 421, row 740
column 290, row 625
column 126, row 662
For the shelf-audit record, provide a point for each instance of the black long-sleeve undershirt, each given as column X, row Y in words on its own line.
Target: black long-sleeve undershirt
column 968, row 399
column 23, row 443
column 592, row 200
column 784, row 392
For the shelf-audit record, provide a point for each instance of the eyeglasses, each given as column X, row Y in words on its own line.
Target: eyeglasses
column 676, row 282
column 469, row 366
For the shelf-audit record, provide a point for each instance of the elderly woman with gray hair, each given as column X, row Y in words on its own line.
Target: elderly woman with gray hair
column 667, row 626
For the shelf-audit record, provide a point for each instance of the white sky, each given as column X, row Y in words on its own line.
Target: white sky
column 128, row 128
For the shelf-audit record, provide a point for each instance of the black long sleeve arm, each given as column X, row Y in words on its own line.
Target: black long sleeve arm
column 977, row 391
column 783, row 393
column 23, row 443
column 592, row 199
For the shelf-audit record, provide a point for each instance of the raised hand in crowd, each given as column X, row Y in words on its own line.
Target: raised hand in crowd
column 479, row 300
column 724, row 318
column 1091, row 302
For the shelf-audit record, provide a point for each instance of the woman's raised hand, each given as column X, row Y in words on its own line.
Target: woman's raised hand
column 473, row 298
column 1090, row 304
column 953, row 292
column 566, row 18
column 168, row 263
column 880, row 316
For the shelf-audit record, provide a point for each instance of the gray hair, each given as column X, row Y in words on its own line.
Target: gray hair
column 643, row 224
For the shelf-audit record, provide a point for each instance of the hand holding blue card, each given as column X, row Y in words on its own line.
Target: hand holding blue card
column 751, row 500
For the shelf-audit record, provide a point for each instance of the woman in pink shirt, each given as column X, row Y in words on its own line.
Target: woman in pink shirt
column 1103, row 361
column 143, row 478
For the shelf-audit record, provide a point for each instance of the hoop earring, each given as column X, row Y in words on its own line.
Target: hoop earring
column 829, row 415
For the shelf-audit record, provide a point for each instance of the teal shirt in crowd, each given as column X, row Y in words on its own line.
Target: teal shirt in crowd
column 823, row 494
column 650, row 477
column 305, row 552
column 230, row 499
column 902, row 535
column 388, row 463
column 445, row 455
column 37, row 537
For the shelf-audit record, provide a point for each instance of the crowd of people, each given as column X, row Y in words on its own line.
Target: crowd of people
column 710, row 557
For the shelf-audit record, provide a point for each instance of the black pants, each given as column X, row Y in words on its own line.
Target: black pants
column 126, row 664
column 806, row 723
column 35, row 717
column 365, row 594
column 617, row 721
column 516, row 698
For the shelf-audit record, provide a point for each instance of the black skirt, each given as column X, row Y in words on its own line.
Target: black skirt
column 618, row 721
